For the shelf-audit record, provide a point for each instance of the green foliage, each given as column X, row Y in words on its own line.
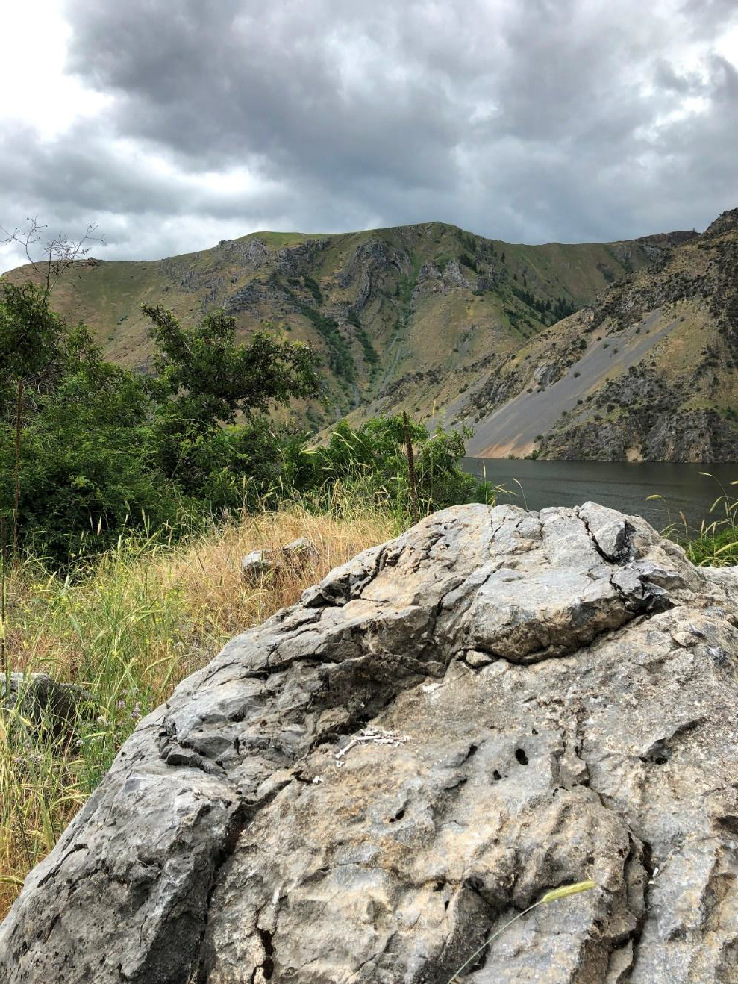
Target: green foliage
column 715, row 546
column 340, row 359
column 83, row 464
column 468, row 242
column 211, row 379
column 104, row 450
column 562, row 308
column 548, row 312
column 339, row 354
column 203, row 381
column 716, row 543
column 405, row 288
column 31, row 336
column 370, row 353
column 107, row 451
column 373, row 457
column 314, row 288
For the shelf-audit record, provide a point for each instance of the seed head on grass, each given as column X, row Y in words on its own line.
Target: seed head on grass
column 562, row 892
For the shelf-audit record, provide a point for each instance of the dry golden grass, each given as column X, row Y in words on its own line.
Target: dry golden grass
column 129, row 630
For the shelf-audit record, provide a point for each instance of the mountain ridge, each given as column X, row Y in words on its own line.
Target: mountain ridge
column 665, row 341
column 432, row 319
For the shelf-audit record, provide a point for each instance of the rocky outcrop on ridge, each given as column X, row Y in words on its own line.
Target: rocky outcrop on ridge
column 366, row 786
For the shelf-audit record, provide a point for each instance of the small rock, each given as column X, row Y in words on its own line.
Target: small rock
column 475, row 658
column 293, row 556
column 51, row 706
column 301, row 551
column 256, row 564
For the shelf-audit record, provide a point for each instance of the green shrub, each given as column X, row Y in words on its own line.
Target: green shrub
column 373, row 458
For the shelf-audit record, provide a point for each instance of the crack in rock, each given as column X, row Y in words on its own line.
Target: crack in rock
column 592, row 732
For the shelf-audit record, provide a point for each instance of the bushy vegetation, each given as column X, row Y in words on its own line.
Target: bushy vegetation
column 93, row 451
column 715, row 544
column 340, row 359
column 371, row 460
column 549, row 312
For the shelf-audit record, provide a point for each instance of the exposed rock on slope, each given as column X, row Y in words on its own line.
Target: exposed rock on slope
column 377, row 305
column 543, row 698
column 649, row 371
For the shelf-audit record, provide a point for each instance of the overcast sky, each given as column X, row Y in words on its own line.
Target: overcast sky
column 175, row 124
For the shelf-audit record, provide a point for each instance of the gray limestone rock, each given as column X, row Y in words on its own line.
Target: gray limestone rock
column 293, row 556
column 52, row 706
column 256, row 564
column 300, row 552
column 363, row 788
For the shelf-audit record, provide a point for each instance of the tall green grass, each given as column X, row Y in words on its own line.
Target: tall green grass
column 715, row 542
column 128, row 628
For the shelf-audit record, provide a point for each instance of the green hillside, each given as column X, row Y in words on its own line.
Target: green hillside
column 388, row 309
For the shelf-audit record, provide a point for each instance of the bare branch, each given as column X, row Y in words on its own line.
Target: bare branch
column 58, row 253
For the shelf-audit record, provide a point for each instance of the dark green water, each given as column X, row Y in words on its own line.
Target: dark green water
column 620, row 485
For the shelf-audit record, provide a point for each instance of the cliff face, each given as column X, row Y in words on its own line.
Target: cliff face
column 375, row 780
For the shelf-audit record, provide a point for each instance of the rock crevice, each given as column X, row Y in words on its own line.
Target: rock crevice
column 368, row 784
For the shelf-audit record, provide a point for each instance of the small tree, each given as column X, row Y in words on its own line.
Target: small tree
column 205, row 381
column 50, row 259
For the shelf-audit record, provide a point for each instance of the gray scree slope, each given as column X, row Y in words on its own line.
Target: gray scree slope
column 514, row 427
column 557, row 693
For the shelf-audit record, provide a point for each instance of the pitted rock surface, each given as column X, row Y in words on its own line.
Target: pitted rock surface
column 365, row 787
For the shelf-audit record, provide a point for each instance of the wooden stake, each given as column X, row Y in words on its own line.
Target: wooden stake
column 410, row 467
column 18, row 426
column 4, row 562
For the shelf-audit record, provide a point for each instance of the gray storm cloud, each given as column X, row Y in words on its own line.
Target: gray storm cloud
column 570, row 120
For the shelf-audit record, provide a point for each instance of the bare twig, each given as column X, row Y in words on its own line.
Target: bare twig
column 50, row 258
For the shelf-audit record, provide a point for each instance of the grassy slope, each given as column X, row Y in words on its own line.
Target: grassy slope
column 422, row 307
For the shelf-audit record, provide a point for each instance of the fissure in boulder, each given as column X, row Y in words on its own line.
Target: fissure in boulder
column 367, row 786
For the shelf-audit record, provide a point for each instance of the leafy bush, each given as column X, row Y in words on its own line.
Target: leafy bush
column 105, row 451
column 373, row 457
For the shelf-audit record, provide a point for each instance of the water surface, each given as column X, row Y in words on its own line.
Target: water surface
column 621, row 485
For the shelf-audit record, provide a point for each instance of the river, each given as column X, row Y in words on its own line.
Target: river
column 621, row 485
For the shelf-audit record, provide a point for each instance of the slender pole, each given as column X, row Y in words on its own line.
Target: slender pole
column 18, row 426
column 4, row 563
column 410, row 467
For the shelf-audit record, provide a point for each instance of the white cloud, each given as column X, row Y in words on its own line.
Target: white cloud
column 34, row 87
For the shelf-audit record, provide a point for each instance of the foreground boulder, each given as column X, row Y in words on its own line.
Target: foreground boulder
column 369, row 784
